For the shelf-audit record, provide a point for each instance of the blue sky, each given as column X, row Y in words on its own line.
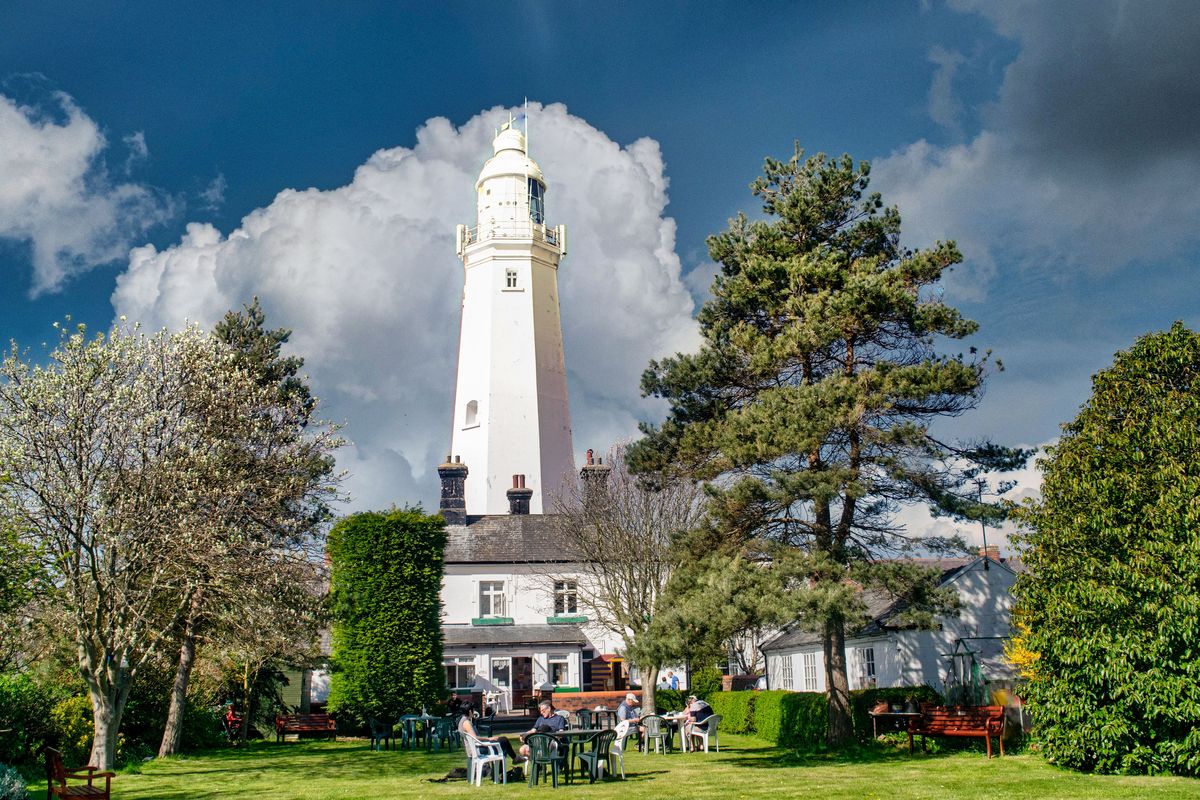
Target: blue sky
column 1057, row 142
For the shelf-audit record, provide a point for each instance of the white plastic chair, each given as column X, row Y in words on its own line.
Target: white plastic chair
column 708, row 731
column 617, row 748
column 481, row 753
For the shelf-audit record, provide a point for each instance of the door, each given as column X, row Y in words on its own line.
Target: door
column 522, row 685
column 502, row 680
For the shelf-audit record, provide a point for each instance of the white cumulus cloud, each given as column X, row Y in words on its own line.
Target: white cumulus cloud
column 56, row 194
column 367, row 278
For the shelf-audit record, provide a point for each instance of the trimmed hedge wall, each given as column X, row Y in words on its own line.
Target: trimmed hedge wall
column 386, row 581
column 735, row 709
column 800, row 719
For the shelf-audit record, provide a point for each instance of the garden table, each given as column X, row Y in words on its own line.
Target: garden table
column 605, row 718
column 573, row 739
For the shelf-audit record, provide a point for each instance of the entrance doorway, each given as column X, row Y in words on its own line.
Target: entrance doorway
column 502, row 680
column 522, row 685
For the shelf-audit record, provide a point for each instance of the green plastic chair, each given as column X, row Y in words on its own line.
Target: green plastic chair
column 657, row 730
column 383, row 734
column 543, row 758
column 596, row 759
column 584, row 718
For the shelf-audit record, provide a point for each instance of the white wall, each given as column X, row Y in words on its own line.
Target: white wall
column 529, row 596
column 912, row 657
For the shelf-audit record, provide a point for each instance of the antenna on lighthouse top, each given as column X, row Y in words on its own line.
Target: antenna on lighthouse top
column 526, row 126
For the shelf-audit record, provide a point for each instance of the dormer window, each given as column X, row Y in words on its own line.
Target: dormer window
column 537, row 201
column 510, row 279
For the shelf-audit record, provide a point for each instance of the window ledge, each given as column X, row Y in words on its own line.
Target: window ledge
column 492, row 621
column 518, row 289
column 566, row 620
column 469, row 427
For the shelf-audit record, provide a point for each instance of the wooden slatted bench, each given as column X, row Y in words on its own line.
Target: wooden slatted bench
column 56, row 779
column 314, row 724
column 980, row 722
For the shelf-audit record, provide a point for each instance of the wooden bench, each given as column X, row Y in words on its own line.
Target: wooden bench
column 300, row 724
column 56, row 779
column 981, row 722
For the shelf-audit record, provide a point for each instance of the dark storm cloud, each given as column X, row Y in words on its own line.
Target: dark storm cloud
column 1102, row 81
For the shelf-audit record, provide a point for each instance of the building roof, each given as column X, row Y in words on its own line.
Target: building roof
column 507, row 539
column 882, row 608
column 491, row 635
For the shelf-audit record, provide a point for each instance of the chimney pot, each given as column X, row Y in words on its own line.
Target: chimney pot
column 453, row 503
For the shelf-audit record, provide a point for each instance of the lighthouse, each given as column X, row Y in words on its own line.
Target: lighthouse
column 511, row 425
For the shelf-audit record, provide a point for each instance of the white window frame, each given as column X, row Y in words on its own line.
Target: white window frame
column 786, row 673
column 556, row 659
column 567, row 591
column 866, row 666
column 511, row 280
column 458, row 662
column 493, row 601
column 810, row 672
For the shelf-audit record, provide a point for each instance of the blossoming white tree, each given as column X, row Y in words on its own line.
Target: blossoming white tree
column 128, row 459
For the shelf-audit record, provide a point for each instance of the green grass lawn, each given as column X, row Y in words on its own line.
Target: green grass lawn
column 745, row 767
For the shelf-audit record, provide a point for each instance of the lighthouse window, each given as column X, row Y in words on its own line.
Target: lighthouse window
column 510, row 279
column 537, row 201
column 471, row 418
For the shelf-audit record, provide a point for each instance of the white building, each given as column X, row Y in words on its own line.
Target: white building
column 512, row 620
column 886, row 653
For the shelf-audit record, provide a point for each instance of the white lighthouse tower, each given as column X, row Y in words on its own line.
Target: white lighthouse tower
column 510, row 401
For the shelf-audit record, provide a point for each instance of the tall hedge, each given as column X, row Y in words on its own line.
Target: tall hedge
column 386, row 580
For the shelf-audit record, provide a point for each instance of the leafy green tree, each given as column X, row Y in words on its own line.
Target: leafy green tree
column 809, row 403
column 1110, row 606
column 255, row 589
column 385, row 586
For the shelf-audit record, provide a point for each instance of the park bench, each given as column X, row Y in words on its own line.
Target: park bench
column 981, row 722
column 56, row 779
column 301, row 724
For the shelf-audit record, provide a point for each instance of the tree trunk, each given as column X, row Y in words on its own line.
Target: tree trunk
column 107, row 708
column 649, row 680
column 841, row 727
column 173, row 731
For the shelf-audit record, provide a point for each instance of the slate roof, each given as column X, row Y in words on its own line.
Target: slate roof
column 882, row 609
column 506, row 539
column 490, row 635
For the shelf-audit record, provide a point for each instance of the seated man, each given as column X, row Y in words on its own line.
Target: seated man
column 466, row 725
column 547, row 722
column 696, row 718
column 627, row 712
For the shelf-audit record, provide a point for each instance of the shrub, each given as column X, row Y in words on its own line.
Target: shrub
column 71, row 719
column 24, row 703
column 386, row 581
column 706, row 682
column 736, row 710
column 12, row 787
column 669, row 699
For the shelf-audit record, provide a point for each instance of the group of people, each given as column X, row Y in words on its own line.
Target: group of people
column 695, row 717
column 547, row 722
column 668, row 680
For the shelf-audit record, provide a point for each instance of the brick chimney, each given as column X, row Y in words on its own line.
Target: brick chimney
column 595, row 480
column 518, row 496
column 454, row 479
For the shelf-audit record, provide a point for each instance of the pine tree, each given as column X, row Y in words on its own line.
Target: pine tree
column 809, row 403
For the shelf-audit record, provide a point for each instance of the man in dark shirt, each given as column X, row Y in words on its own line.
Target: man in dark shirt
column 547, row 722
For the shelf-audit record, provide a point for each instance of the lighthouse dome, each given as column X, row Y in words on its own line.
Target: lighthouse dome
column 510, row 159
